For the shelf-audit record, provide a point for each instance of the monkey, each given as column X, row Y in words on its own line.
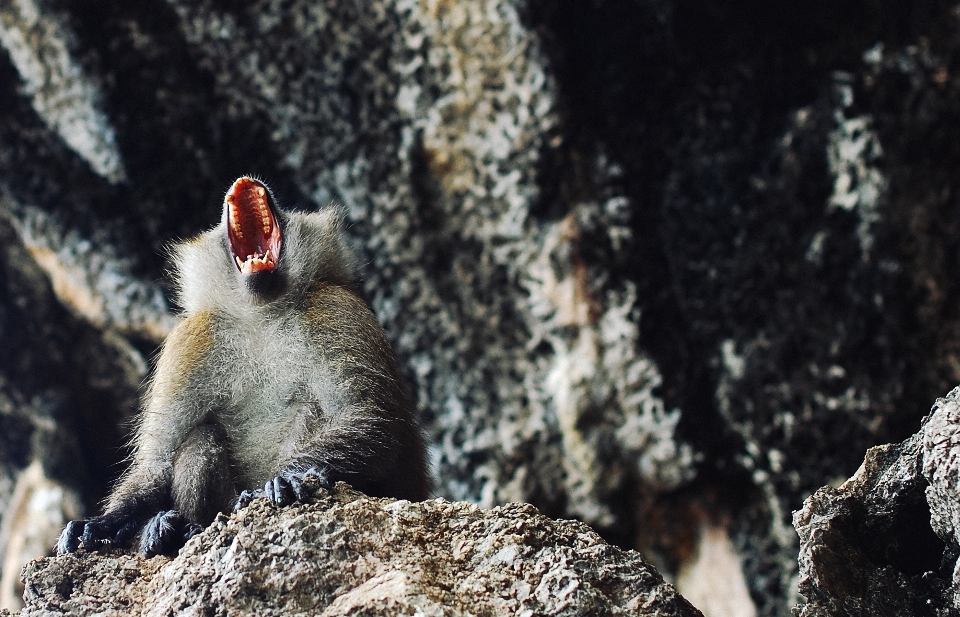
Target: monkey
column 277, row 372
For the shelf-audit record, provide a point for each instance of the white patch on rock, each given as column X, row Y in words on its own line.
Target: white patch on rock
column 37, row 512
column 733, row 368
column 89, row 278
column 483, row 132
column 853, row 157
column 734, row 364
column 713, row 580
column 61, row 93
column 596, row 370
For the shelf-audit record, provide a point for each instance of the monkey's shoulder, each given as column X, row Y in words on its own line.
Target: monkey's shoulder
column 192, row 338
column 333, row 310
column 185, row 353
column 341, row 324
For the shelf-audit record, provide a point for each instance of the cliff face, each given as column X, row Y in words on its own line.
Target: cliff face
column 664, row 267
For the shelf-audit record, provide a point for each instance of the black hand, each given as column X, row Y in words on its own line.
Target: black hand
column 107, row 531
column 69, row 540
column 166, row 532
column 246, row 497
column 291, row 485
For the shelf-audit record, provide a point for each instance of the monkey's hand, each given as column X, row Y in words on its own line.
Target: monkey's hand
column 289, row 485
column 166, row 532
column 107, row 531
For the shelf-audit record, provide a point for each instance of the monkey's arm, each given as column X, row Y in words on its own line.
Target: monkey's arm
column 363, row 430
column 173, row 408
column 376, row 460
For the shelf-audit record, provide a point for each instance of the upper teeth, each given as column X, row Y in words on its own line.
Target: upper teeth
column 235, row 223
column 265, row 221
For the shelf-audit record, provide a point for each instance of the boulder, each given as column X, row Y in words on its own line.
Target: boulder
column 347, row 554
column 885, row 541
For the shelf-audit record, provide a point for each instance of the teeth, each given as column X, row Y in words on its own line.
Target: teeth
column 265, row 221
column 245, row 208
column 254, row 260
column 235, row 222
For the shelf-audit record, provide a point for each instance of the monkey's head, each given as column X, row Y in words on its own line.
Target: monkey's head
column 260, row 254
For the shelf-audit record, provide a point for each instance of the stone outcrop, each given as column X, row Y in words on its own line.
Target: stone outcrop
column 347, row 554
column 885, row 542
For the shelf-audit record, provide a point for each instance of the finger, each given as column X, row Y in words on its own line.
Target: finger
column 69, row 539
column 246, row 497
column 276, row 489
column 322, row 480
column 297, row 487
column 191, row 530
column 91, row 537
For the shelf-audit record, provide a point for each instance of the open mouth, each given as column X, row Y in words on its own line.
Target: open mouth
column 252, row 228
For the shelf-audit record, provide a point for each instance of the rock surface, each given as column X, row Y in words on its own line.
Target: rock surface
column 663, row 266
column 885, row 542
column 349, row 554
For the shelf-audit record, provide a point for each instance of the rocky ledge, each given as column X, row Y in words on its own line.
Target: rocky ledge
column 345, row 553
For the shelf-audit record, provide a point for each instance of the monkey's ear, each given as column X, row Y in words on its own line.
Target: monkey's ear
column 317, row 249
column 330, row 220
column 334, row 214
column 204, row 277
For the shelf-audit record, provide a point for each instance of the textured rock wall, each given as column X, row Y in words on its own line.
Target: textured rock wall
column 664, row 267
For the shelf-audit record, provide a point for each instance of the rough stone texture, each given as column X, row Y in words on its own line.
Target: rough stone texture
column 644, row 263
column 38, row 510
column 941, row 466
column 349, row 554
column 61, row 93
column 885, row 542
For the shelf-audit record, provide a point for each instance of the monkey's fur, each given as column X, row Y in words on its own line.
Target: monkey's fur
column 273, row 375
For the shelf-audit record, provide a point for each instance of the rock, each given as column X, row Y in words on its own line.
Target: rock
column 885, row 542
column 346, row 553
